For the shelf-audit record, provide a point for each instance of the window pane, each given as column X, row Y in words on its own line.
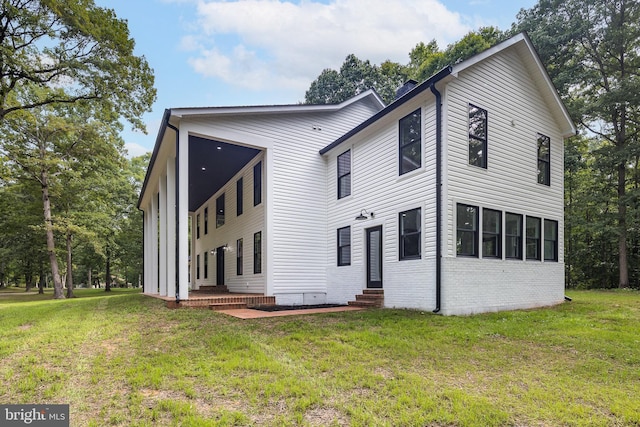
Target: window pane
column 476, row 152
column 477, row 122
column 467, row 230
column 344, row 174
column 533, row 238
column 513, row 236
column 220, row 211
column 410, row 142
column 239, row 257
column 491, row 233
column 544, row 143
column 239, row 196
column 344, row 246
column 410, row 234
column 550, row 240
column 257, row 184
column 206, row 220
column 257, row 252
column 544, row 160
column 477, row 136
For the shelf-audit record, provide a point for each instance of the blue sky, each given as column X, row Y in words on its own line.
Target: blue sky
column 256, row 52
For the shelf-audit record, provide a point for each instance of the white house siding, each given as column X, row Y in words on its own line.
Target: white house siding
column 299, row 212
column 298, row 217
column 377, row 187
column 516, row 114
column 235, row 227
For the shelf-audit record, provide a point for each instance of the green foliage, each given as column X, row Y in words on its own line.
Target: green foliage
column 83, row 50
column 356, row 76
column 592, row 52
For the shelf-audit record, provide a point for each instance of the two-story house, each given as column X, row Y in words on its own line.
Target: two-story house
column 450, row 199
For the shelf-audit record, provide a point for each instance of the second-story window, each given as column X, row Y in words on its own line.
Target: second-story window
column 544, row 160
column 477, row 136
column 344, row 174
column 410, row 145
column 220, row 211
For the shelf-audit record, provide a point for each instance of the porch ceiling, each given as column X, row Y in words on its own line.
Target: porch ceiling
column 211, row 164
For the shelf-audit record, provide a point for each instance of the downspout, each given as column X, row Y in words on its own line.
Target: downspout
column 177, row 177
column 438, row 196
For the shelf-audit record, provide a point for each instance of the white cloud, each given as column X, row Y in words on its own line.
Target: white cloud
column 135, row 150
column 275, row 43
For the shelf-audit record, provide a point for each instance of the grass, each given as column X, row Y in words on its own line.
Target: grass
column 122, row 359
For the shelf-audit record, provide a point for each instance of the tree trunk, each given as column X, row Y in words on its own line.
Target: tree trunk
column 623, row 265
column 89, row 278
column 107, row 279
column 69, row 268
column 28, row 279
column 41, row 280
column 51, row 247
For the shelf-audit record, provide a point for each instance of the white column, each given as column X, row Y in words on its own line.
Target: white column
column 162, row 279
column 183, row 213
column 171, row 227
column 147, row 249
column 154, row 244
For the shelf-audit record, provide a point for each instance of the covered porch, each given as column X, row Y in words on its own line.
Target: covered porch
column 188, row 168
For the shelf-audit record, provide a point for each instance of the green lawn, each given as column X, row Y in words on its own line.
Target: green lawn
column 123, row 359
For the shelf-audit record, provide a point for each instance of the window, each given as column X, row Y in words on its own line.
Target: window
column 198, row 226
column 257, row 253
column 206, row 220
column 410, row 142
column 239, row 257
column 257, row 184
column 239, row 196
column 220, row 211
column 550, row 240
column 206, row 264
column 544, row 160
column 477, row 136
column 198, row 266
column 513, row 236
column 344, row 246
column 467, row 230
column 410, row 227
column 533, row 238
column 344, row 174
column 491, row 233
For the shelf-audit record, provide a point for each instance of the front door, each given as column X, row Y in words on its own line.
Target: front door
column 220, row 266
column 374, row 257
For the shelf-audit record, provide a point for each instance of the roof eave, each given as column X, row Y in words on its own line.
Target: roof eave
column 389, row 108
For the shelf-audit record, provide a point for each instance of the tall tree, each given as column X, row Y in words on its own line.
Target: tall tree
column 60, row 147
column 592, row 52
column 75, row 46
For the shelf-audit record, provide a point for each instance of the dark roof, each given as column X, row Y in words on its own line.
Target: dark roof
column 391, row 107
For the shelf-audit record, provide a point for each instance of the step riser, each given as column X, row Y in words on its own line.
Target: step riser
column 206, row 302
column 370, row 298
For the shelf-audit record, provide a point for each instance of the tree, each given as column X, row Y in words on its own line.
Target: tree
column 65, row 149
column 355, row 76
column 76, row 47
column 428, row 59
column 592, row 52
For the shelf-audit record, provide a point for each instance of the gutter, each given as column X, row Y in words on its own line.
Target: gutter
column 438, row 195
column 177, row 176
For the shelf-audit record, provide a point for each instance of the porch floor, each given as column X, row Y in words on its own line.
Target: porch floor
column 239, row 305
